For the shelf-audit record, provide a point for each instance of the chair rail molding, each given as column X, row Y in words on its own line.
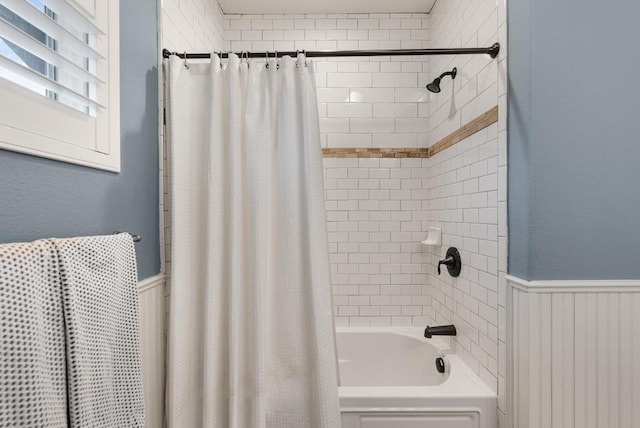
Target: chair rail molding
column 151, row 282
column 575, row 286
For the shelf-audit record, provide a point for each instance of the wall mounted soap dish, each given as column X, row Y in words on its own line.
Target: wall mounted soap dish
column 434, row 237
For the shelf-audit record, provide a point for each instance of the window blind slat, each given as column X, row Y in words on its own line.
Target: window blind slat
column 73, row 16
column 25, row 41
column 44, row 81
column 35, row 17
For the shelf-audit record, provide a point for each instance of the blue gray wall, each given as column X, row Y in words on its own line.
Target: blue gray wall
column 574, row 139
column 41, row 198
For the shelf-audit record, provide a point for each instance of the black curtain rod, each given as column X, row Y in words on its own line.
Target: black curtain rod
column 491, row 51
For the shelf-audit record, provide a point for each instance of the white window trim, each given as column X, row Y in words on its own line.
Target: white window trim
column 77, row 138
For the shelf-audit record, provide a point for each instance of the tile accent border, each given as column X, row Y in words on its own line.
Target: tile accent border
column 479, row 123
column 375, row 153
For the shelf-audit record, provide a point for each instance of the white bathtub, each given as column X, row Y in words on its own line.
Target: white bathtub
column 389, row 379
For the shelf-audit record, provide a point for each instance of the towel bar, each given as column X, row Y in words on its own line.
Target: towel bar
column 136, row 238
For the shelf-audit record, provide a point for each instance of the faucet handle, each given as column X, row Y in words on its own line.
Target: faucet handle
column 449, row 261
column 452, row 262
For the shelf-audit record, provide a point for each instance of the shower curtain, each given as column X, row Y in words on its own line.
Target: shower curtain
column 251, row 342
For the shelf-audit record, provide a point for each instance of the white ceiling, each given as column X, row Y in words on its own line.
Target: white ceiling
column 325, row 6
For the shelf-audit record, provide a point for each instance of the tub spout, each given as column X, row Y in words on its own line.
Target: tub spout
column 440, row 330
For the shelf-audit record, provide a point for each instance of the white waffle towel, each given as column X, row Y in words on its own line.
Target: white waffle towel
column 70, row 348
column 99, row 288
column 33, row 388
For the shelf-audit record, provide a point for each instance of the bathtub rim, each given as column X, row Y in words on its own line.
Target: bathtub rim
column 461, row 383
column 442, row 343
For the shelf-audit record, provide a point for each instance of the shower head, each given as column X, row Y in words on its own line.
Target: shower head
column 435, row 85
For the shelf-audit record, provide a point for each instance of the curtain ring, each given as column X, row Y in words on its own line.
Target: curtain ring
column 304, row 52
column 220, row 55
column 186, row 64
column 277, row 62
column 297, row 60
column 266, row 58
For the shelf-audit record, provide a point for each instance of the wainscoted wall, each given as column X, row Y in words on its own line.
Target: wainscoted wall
column 152, row 309
column 575, row 353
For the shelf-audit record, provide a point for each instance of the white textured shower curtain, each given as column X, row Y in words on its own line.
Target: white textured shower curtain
column 250, row 323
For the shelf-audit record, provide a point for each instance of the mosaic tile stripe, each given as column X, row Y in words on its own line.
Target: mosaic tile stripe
column 376, row 153
column 479, row 123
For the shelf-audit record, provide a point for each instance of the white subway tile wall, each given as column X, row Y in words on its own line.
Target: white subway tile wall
column 457, row 24
column 375, row 214
column 363, row 102
column 468, row 187
column 192, row 26
column 462, row 195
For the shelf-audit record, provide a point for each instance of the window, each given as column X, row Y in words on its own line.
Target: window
column 59, row 80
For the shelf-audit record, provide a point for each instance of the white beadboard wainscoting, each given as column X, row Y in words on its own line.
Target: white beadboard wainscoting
column 575, row 353
column 151, row 291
